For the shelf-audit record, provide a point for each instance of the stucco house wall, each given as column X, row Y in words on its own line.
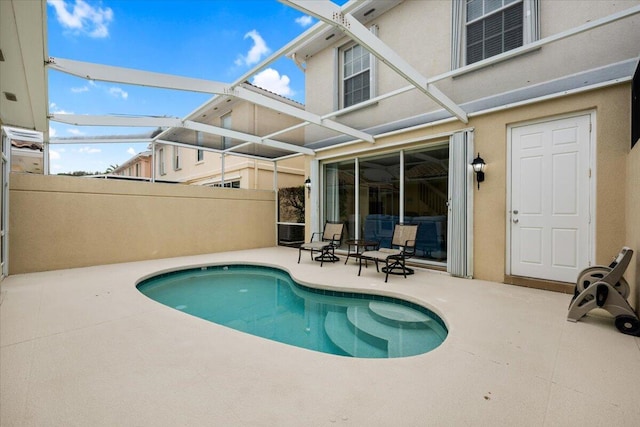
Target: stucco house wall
column 427, row 48
column 617, row 223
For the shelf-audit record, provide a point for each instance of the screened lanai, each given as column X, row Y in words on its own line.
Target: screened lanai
column 389, row 180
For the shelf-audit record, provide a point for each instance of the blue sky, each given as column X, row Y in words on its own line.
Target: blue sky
column 208, row 39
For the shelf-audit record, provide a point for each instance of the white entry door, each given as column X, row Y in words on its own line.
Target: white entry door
column 550, row 199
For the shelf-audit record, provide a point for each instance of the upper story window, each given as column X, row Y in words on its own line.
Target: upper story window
column 485, row 28
column 493, row 27
column 356, row 75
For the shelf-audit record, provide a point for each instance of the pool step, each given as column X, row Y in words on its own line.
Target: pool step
column 349, row 339
column 405, row 317
column 383, row 330
column 400, row 341
column 394, row 314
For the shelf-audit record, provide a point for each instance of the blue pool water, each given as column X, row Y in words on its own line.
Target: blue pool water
column 266, row 302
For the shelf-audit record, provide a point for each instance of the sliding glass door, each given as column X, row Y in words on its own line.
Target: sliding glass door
column 401, row 187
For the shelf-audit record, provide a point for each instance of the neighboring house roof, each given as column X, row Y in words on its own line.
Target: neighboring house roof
column 133, row 160
column 259, row 89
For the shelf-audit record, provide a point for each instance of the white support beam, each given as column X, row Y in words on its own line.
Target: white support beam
column 212, row 150
column 101, row 140
column 332, row 14
column 290, row 110
column 146, row 78
column 105, row 120
column 108, row 73
column 246, row 137
column 289, row 129
column 142, row 121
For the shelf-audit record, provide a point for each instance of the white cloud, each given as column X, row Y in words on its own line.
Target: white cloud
column 131, row 151
column 304, row 21
column 54, row 155
column 89, row 150
column 83, row 18
column 80, row 89
column 257, row 51
column 52, row 132
column 118, row 92
column 271, row 80
column 75, row 132
column 53, row 108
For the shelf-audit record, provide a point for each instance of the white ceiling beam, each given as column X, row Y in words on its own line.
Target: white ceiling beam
column 212, row 150
column 101, row 140
column 289, row 129
column 142, row 121
column 108, row 73
column 246, row 137
column 132, row 121
column 146, row 78
column 332, row 14
column 290, row 110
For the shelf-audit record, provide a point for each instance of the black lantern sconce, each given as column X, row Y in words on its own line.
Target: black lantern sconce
column 479, row 166
column 307, row 183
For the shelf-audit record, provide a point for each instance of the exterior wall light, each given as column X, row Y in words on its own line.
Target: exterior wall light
column 307, row 183
column 479, row 166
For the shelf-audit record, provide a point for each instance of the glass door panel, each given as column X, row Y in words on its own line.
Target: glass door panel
column 339, row 197
column 379, row 197
column 426, row 182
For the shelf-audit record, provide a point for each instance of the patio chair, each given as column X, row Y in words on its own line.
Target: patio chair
column 325, row 244
column 403, row 246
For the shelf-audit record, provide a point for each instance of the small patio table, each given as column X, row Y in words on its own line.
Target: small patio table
column 357, row 246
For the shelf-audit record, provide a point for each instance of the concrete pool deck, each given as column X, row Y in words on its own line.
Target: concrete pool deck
column 83, row 347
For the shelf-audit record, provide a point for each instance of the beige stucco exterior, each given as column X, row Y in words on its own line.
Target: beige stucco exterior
column 65, row 222
column 617, row 222
column 427, row 48
column 251, row 173
column 138, row 166
column 515, row 91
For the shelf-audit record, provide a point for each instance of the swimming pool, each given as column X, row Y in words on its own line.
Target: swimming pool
column 266, row 302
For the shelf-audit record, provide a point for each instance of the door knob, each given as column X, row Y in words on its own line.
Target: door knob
column 515, row 212
column 515, row 220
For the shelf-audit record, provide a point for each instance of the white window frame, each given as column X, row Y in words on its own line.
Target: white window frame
column 199, row 153
column 161, row 168
column 339, row 101
column 177, row 160
column 530, row 27
column 228, row 184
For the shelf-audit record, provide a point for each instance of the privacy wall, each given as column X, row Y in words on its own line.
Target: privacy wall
column 66, row 222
